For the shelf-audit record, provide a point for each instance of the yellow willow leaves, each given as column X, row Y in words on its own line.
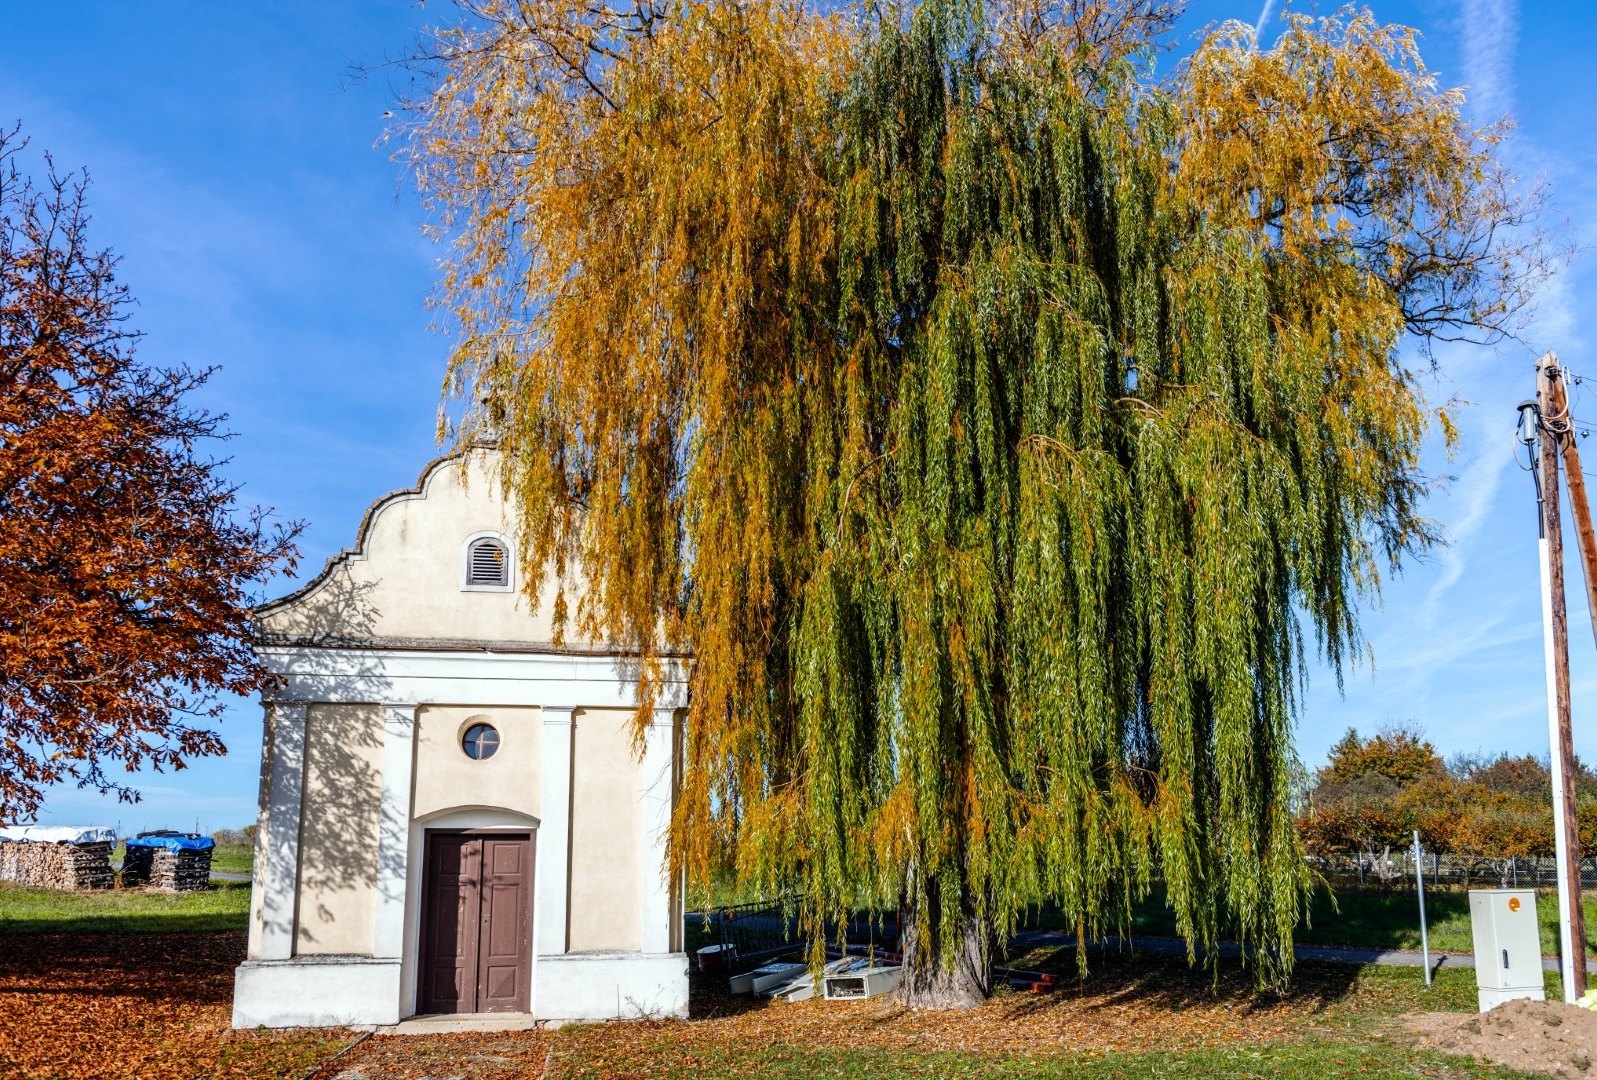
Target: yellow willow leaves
column 985, row 418
column 1339, row 142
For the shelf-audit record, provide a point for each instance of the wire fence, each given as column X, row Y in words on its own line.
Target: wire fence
column 759, row 931
column 1395, row 869
column 768, row 930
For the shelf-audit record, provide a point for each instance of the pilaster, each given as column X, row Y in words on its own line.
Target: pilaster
column 393, row 829
column 659, row 791
column 280, row 880
column 554, row 832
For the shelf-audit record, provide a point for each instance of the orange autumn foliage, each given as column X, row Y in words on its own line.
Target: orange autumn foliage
column 124, row 566
column 1374, row 792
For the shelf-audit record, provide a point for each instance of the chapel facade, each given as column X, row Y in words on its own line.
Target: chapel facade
column 455, row 814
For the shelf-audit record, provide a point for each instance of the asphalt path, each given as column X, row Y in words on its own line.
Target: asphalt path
column 1166, row 946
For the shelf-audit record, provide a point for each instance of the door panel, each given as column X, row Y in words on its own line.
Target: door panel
column 453, row 897
column 504, row 967
column 476, row 923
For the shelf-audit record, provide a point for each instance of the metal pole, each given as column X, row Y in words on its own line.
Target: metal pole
column 1555, row 653
column 1419, row 885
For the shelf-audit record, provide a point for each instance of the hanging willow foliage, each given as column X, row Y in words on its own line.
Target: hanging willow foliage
column 989, row 421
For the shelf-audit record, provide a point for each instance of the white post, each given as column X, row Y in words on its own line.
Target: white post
column 554, row 833
column 393, row 830
column 1419, row 885
column 658, row 794
column 1560, row 846
column 280, row 880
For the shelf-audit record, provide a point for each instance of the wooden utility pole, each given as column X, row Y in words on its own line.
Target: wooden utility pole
column 1579, row 505
column 1554, row 432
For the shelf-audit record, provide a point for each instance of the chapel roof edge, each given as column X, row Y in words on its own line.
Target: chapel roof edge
column 363, row 531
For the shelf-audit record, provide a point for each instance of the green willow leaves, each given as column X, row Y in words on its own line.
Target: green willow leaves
column 988, row 420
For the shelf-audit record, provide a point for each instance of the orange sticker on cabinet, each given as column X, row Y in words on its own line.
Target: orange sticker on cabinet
column 1513, row 903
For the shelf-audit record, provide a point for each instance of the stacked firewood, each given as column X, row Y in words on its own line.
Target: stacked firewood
column 46, row 865
column 170, row 871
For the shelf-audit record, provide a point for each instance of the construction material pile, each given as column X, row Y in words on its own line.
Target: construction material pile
column 171, row 862
column 67, row 858
column 845, row 977
column 1547, row 1038
column 858, row 974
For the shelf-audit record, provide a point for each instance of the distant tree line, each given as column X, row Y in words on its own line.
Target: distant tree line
column 1373, row 792
column 244, row 837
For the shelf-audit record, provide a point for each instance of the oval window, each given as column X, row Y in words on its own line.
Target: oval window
column 480, row 741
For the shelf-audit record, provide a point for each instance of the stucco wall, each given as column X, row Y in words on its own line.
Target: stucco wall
column 446, row 778
column 606, row 834
column 338, row 829
column 405, row 581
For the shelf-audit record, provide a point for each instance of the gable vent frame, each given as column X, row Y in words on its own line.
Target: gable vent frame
column 476, row 566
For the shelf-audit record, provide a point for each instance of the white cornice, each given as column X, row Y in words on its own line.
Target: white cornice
column 557, row 680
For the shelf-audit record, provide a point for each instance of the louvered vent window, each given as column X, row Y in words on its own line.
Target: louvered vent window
column 488, row 564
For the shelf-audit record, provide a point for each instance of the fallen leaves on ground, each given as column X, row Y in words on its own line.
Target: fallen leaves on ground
column 136, row 1005
column 159, row 1005
column 1152, row 1004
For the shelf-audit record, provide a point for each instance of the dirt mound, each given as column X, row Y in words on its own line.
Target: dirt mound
column 1533, row 1036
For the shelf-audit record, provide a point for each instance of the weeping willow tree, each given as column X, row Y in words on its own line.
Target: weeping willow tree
column 999, row 429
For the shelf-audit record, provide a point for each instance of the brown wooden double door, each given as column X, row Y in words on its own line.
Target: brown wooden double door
column 476, row 939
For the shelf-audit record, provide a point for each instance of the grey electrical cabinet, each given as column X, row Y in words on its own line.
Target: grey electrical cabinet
column 1508, row 950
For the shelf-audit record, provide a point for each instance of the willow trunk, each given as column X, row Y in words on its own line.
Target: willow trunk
column 944, row 968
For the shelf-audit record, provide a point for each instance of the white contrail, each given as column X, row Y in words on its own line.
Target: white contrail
column 1491, row 29
column 1264, row 20
column 1472, row 505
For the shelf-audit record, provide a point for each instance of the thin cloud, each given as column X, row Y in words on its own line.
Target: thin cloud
column 1491, row 31
column 1474, row 503
column 1265, row 15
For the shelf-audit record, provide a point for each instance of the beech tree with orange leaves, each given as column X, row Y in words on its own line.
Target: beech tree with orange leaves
column 996, row 421
column 126, row 564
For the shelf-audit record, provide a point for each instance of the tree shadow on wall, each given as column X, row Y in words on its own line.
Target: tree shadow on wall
column 342, row 779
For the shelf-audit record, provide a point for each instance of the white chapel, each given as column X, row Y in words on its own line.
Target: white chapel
column 455, row 816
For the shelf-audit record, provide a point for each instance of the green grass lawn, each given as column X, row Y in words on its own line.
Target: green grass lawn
column 233, row 858
column 224, row 906
column 1309, row 1060
column 1346, row 997
column 1391, row 920
column 1344, row 1025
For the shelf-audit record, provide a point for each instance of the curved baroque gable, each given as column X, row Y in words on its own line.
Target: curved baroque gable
column 403, row 580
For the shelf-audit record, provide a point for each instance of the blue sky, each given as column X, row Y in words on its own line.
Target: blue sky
column 236, row 170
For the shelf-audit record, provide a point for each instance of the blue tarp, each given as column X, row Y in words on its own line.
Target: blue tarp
column 174, row 843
